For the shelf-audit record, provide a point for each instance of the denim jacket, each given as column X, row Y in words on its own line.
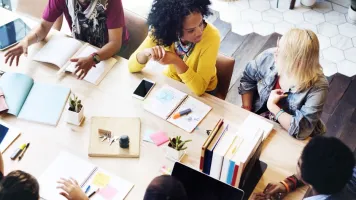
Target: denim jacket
column 305, row 106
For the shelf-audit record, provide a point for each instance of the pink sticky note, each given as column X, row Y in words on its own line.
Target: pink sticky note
column 108, row 192
column 159, row 138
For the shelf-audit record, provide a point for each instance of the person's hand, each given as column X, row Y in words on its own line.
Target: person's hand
column 274, row 98
column 259, row 196
column 83, row 66
column 168, row 58
column 156, row 53
column 71, row 189
column 275, row 191
column 16, row 51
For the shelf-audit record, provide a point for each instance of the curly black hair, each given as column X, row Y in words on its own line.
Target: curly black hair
column 166, row 18
column 165, row 187
column 19, row 185
column 327, row 164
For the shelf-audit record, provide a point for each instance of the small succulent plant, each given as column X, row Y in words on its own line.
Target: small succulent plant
column 177, row 143
column 75, row 104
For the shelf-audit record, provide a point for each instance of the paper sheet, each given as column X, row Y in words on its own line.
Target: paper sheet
column 108, row 192
column 147, row 136
column 101, row 180
column 159, row 138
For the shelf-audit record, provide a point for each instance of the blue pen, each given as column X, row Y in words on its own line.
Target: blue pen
column 87, row 190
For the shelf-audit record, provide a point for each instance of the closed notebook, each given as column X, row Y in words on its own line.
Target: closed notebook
column 8, row 135
column 39, row 102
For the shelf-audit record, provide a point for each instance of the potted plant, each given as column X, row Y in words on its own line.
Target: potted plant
column 176, row 147
column 352, row 12
column 75, row 111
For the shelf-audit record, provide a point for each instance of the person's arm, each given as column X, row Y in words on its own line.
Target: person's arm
column 199, row 81
column 39, row 33
column 248, row 84
column 113, row 46
column 2, row 170
column 247, row 100
column 140, row 57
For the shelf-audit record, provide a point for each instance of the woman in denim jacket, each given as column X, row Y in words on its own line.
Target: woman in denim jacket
column 287, row 84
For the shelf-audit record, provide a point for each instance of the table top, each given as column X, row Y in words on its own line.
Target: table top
column 113, row 98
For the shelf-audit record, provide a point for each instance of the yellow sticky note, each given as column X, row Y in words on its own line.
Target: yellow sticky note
column 101, row 180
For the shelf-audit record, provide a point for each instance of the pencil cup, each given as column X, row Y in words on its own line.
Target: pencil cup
column 74, row 117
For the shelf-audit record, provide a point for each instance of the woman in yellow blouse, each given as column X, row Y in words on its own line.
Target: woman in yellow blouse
column 181, row 39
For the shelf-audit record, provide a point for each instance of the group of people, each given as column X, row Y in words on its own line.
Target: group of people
column 285, row 84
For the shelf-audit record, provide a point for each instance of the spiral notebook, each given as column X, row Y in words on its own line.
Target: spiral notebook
column 166, row 101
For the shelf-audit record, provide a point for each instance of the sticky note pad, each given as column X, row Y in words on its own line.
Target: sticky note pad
column 101, row 180
column 108, row 192
column 159, row 138
column 146, row 136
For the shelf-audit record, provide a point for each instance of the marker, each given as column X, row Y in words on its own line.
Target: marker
column 17, row 152
column 87, row 190
column 24, row 151
column 92, row 194
column 181, row 113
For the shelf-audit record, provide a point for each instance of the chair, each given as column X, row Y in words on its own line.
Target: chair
column 224, row 67
column 138, row 30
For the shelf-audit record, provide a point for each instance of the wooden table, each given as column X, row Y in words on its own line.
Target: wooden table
column 113, row 97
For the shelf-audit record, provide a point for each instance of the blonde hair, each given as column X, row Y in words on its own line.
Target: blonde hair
column 298, row 57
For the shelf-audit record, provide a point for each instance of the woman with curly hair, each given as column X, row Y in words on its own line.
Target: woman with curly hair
column 180, row 38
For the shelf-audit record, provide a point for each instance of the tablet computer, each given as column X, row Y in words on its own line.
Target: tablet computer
column 12, row 33
column 201, row 186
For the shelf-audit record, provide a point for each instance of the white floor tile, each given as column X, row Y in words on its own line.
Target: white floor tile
column 230, row 14
column 260, row 5
column 283, row 5
column 293, row 17
column 324, row 42
column 346, row 68
column 350, row 54
column 340, row 9
column 354, row 41
column 328, row 29
column 334, row 17
column 348, row 30
column 314, row 17
column 329, row 68
column 333, row 54
column 250, row 15
column 241, row 28
column 283, row 27
column 272, row 16
column 309, row 26
column 323, row 7
column 239, row 5
column 341, row 42
column 344, row 3
column 263, row 28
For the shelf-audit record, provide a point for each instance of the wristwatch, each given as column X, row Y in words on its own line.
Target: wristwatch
column 96, row 58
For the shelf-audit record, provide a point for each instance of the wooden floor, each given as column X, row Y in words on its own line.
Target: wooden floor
column 340, row 109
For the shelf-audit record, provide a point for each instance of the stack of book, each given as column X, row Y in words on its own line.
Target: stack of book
column 227, row 157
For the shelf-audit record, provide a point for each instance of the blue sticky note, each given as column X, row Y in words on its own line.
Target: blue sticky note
column 147, row 136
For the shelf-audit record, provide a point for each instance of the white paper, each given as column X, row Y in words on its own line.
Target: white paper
column 163, row 101
column 256, row 122
column 58, row 50
column 190, row 121
column 65, row 165
column 96, row 72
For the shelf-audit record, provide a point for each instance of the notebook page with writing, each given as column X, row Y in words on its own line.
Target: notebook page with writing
column 164, row 101
column 97, row 73
column 65, row 165
column 190, row 122
column 58, row 50
column 111, row 187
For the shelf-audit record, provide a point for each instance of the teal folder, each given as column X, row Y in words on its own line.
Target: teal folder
column 39, row 102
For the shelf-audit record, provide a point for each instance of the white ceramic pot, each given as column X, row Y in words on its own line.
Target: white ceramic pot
column 173, row 153
column 74, row 117
column 307, row 3
column 352, row 15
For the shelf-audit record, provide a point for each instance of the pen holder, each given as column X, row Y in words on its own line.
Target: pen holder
column 74, row 117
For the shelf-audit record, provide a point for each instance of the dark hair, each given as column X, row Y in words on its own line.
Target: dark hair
column 166, row 18
column 327, row 164
column 19, row 185
column 165, row 188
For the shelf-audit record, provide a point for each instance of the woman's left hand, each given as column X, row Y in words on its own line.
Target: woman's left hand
column 83, row 66
column 168, row 58
column 274, row 98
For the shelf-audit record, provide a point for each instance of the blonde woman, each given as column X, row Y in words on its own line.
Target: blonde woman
column 287, row 84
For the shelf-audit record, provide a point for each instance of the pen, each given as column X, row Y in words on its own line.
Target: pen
column 92, row 194
column 87, row 190
column 181, row 113
column 17, row 152
column 24, row 151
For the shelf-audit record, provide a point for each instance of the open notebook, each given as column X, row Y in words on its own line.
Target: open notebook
column 72, row 48
column 67, row 165
column 39, row 102
column 167, row 101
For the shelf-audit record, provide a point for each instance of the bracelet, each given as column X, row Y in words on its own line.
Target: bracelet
column 281, row 111
column 286, row 185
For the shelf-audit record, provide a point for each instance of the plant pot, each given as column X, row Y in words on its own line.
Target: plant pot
column 307, row 3
column 174, row 154
column 74, row 117
column 352, row 15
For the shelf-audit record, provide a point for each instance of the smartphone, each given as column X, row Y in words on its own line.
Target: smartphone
column 143, row 89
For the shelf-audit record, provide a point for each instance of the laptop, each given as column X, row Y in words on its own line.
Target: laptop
column 201, row 186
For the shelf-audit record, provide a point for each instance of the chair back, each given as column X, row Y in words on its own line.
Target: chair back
column 138, row 30
column 224, row 67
